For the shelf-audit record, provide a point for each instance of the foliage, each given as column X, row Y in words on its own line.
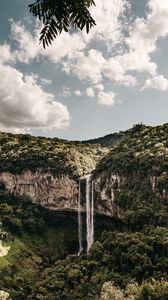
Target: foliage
column 25, row 152
column 110, row 139
column 110, row 292
column 4, row 295
column 139, row 165
column 39, row 240
column 129, row 262
column 36, row 237
column 144, row 151
column 154, row 290
column 125, row 257
column 58, row 16
column 148, row 290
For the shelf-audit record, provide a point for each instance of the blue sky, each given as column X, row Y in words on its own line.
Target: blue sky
column 85, row 86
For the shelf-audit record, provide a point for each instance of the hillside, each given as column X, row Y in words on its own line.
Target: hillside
column 26, row 152
column 145, row 147
column 109, row 140
column 39, row 246
column 134, row 174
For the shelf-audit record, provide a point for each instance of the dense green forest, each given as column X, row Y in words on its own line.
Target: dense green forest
column 143, row 150
column 129, row 258
column 26, row 152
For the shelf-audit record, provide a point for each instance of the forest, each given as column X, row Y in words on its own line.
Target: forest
column 129, row 258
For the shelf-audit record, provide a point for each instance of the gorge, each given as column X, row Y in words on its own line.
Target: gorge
column 79, row 214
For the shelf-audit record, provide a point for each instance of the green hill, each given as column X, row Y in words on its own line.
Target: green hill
column 109, row 140
column 145, row 148
column 26, row 152
column 129, row 169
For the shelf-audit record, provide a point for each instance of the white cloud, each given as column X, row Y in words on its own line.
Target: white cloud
column 25, row 106
column 114, row 70
column 65, row 46
column 138, row 60
column 78, row 93
column 143, row 37
column 28, row 44
column 126, row 48
column 76, row 57
column 109, row 26
column 45, row 81
column 90, row 92
column 99, row 87
column 110, row 31
column 107, row 98
column 6, row 54
column 88, row 67
column 157, row 82
column 139, row 44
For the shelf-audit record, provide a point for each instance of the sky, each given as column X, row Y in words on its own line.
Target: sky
column 85, row 85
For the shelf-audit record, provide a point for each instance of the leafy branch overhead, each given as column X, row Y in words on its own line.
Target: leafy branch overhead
column 61, row 15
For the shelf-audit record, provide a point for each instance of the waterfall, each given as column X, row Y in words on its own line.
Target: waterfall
column 79, row 220
column 88, row 223
column 92, row 214
column 89, row 213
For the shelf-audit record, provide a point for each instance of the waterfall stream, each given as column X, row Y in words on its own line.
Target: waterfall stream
column 79, row 220
column 92, row 214
column 89, row 213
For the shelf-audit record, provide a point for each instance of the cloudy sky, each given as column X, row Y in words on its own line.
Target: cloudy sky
column 85, row 86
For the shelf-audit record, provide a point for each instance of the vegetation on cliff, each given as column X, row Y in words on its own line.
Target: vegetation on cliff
column 151, row 289
column 109, row 140
column 141, row 164
column 25, row 152
column 40, row 264
column 36, row 237
column 128, row 261
column 144, row 150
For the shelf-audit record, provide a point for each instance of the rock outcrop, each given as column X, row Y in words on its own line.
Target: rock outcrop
column 43, row 188
column 61, row 193
column 106, row 185
column 47, row 170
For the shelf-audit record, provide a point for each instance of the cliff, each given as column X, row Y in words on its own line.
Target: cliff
column 20, row 153
column 43, row 188
column 56, row 193
column 48, row 170
column 130, row 184
column 134, row 175
column 45, row 169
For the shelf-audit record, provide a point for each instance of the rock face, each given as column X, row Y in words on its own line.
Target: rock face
column 106, row 185
column 43, row 188
column 60, row 193
column 103, row 202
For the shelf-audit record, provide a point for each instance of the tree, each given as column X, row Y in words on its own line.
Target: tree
column 110, row 292
column 4, row 295
column 61, row 15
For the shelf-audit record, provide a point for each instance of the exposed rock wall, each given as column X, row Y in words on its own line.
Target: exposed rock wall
column 109, row 184
column 58, row 193
column 61, row 193
column 106, row 185
column 43, row 188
